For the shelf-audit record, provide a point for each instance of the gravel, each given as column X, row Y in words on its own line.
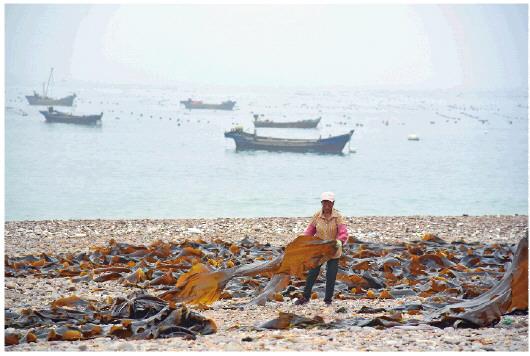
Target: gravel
column 236, row 331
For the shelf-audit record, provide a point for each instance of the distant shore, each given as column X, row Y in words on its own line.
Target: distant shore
column 53, row 236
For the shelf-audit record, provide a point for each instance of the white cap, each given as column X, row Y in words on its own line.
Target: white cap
column 328, row 196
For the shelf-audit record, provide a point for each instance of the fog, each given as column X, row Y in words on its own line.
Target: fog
column 379, row 46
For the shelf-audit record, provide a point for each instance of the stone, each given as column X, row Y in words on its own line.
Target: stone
column 193, row 230
column 341, row 310
column 125, row 346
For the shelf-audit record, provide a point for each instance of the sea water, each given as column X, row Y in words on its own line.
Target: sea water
column 152, row 158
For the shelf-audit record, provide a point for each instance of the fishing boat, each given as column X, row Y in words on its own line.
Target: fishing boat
column 247, row 141
column 52, row 115
column 44, row 99
column 303, row 124
column 197, row 104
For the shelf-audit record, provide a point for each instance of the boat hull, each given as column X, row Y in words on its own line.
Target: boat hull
column 304, row 124
column 71, row 119
column 39, row 100
column 227, row 105
column 331, row 145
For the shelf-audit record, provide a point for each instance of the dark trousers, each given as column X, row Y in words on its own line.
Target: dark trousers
column 332, row 267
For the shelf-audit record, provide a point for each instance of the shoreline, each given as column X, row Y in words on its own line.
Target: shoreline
column 37, row 236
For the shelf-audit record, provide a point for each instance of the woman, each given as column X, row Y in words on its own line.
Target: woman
column 327, row 224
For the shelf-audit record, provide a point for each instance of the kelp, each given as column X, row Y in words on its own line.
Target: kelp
column 508, row 295
column 286, row 321
column 291, row 320
column 271, row 291
column 305, row 253
column 203, row 286
column 463, row 284
column 200, row 288
column 139, row 316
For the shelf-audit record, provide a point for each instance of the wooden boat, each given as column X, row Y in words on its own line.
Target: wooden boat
column 44, row 99
column 247, row 141
column 195, row 104
column 52, row 115
column 37, row 99
column 303, row 124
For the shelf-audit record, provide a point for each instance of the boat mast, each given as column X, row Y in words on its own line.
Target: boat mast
column 49, row 79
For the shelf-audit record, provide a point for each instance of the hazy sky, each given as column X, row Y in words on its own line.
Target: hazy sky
column 382, row 46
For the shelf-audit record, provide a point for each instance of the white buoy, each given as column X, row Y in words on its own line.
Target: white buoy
column 413, row 137
column 351, row 150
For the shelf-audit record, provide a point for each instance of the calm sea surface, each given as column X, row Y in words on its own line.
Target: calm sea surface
column 152, row 158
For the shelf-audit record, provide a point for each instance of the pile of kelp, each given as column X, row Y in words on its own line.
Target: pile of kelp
column 509, row 295
column 465, row 284
column 139, row 316
column 186, row 270
column 194, row 272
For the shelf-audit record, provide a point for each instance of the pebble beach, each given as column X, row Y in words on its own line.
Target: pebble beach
column 235, row 327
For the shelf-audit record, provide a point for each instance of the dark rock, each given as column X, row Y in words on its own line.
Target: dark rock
column 341, row 310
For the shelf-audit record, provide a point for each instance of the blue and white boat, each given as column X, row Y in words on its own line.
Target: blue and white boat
column 247, row 141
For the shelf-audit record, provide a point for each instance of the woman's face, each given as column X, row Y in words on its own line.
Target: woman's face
column 327, row 206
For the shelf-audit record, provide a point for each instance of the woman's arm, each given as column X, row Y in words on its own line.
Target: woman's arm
column 311, row 230
column 342, row 233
